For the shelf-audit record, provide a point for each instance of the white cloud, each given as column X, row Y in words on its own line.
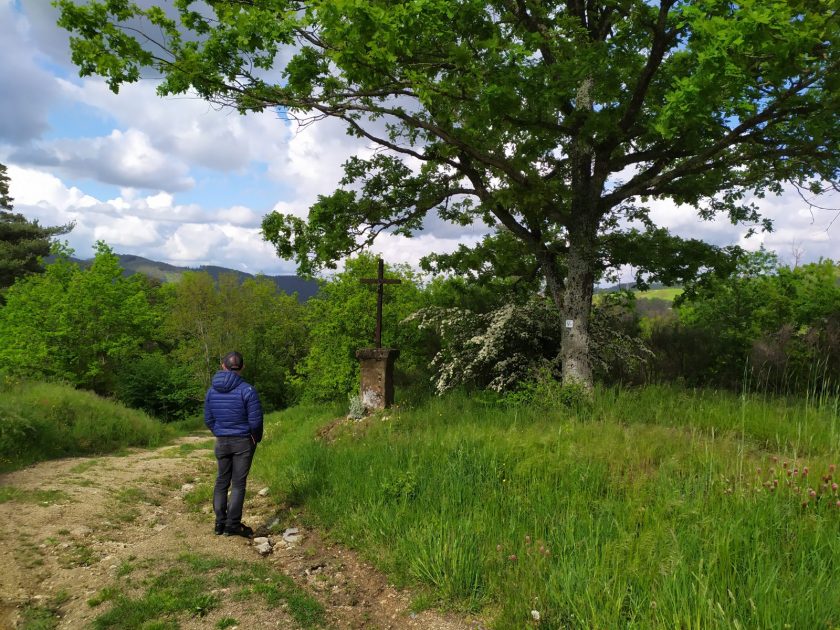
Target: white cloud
column 187, row 128
column 403, row 250
column 151, row 226
column 239, row 215
column 129, row 231
column 126, row 158
column 795, row 226
column 194, row 242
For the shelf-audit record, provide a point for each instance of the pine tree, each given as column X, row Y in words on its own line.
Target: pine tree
column 23, row 243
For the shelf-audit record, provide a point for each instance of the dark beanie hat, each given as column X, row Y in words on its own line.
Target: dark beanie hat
column 233, row 361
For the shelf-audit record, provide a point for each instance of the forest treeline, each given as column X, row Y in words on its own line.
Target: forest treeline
column 154, row 346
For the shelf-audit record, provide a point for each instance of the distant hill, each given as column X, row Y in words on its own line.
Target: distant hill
column 165, row 272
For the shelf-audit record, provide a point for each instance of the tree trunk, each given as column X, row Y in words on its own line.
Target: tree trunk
column 581, row 255
column 577, row 304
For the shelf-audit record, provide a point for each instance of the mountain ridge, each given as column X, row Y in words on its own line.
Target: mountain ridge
column 166, row 272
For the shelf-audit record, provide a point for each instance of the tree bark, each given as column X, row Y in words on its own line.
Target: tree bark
column 577, row 305
column 582, row 253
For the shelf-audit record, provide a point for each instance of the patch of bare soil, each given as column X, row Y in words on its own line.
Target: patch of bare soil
column 75, row 528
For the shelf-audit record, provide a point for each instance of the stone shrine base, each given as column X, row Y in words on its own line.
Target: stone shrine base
column 377, row 377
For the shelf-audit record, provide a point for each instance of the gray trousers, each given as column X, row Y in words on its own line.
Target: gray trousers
column 233, row 455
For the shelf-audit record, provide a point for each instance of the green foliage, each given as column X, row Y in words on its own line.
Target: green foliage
column 43, row 421
column 341, row 318
column 554, row 121
column 496, row 270
column 75, row 324
column 205, row 320
column 23, row 243
column 770, row 324
column 159, row 386
column 641, row 509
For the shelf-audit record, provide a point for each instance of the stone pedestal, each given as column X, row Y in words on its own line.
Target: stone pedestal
column 377, row 377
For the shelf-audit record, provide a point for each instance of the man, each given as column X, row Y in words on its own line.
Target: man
column 232, row 411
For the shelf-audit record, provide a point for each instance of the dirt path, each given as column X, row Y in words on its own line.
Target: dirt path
column 100, row 542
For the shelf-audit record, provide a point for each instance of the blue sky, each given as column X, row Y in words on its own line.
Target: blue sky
column 180, row 181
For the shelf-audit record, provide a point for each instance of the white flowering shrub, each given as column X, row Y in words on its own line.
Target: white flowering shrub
column 517, row 343
column 496, row 350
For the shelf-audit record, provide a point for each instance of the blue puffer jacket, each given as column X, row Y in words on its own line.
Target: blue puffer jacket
column 232, row 407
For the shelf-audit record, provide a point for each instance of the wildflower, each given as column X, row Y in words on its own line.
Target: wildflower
column 775, row 483
column 812, row 493
column 834, row 487
column 837, row 504
column 784, row 464
column 758, row 471
column 831, row 468
column 512, row 557
column 535, row 615
column 772, row 471
column 804, row 504
column 795, row 471
column 804, row 471
column 498, row 547
column 653, row 604
column 527, row 540
column 775, row 459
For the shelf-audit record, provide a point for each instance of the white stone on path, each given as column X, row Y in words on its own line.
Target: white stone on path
column 262, row 545
column 263, row 492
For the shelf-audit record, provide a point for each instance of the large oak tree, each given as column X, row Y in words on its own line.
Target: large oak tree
column 555, row 120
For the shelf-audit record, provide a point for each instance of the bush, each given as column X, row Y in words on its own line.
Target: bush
column 517, row 343
column 766, row 326
column 160, row 387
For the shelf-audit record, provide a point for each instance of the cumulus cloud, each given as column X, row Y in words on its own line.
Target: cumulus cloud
column 186, row 127
column 121, row 158
column 152, row 226
column 796, row 226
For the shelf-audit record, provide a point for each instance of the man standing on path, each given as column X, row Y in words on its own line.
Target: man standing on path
column 232, row 411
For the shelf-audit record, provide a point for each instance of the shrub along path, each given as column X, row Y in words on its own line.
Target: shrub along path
column 121, row 541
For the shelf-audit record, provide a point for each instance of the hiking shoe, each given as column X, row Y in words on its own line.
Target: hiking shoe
column 242, row 530
column 220, row 529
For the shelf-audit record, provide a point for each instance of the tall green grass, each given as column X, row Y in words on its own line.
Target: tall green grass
column 41, row 421
column 645, row 509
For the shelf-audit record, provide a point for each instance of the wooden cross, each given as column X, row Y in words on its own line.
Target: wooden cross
column 380, row 281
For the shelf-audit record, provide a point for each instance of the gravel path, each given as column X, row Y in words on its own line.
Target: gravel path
column 75, row 528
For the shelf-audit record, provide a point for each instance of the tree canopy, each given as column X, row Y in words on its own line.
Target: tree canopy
column 553, row 120
column 23, row 243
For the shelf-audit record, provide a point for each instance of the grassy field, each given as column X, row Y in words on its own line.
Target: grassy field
column 668, row 294
column 651, row 508
column 41, row 421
